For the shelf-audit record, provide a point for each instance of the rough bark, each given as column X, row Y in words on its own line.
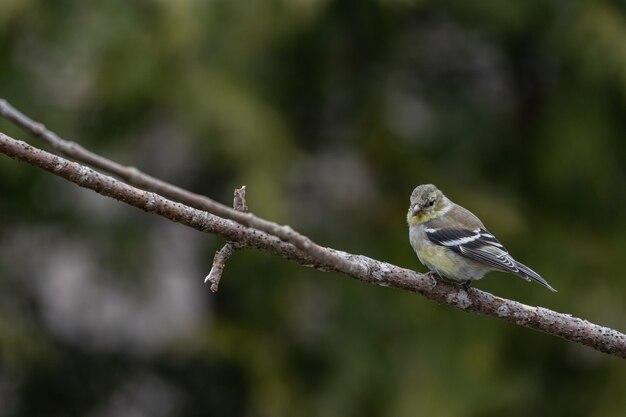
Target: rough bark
column 360, row 267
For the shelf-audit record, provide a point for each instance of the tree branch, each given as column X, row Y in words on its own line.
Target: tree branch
column 360, row 267
column 222, row 255
column 133, row 176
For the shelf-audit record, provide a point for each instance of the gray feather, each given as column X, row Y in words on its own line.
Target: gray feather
column 483, row 247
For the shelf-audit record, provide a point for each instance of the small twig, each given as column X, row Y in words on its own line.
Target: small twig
column 222, row 255
column 239, row 199
column 219, row 262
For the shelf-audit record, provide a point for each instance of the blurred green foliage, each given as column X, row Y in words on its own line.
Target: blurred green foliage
column 330, row 112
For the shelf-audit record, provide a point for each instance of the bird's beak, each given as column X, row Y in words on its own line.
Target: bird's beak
column 416, row 210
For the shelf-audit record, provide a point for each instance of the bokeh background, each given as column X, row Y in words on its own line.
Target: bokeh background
column 330, row 112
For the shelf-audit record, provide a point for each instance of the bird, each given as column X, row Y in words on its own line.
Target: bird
column 454, row 244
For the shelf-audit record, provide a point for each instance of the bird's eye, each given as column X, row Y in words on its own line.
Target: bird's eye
column 430, row 203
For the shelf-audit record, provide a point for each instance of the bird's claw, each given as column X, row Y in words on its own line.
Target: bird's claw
column 433, row 276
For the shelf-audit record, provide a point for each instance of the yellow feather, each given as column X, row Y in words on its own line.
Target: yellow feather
column 439, row 257
column 424, row 217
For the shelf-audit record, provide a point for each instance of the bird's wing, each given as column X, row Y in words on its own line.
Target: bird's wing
column 462, row 232
column 477, row 244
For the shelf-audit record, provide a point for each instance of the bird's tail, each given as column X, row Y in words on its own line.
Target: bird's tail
column 528, row 274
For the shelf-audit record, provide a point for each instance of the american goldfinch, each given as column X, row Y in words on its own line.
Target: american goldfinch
column 453, row 243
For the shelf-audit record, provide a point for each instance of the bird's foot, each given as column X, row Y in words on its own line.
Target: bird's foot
column 467, row 285
column 432, row 274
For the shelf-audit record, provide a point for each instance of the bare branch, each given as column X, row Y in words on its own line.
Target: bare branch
column 222, row 255
column 239, row 199
column 219, row 262
column 133, row 176
column 369, row 270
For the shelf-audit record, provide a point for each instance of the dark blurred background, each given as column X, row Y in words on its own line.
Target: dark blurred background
column 330, row 112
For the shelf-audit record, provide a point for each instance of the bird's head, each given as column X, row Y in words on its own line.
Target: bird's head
column 427, row 202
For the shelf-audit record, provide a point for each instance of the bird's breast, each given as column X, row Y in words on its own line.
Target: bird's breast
column 443, row 260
